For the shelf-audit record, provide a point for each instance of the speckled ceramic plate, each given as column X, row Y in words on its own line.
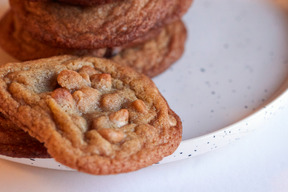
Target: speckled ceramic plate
column 231, row 79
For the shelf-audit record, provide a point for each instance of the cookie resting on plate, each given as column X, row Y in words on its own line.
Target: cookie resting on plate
column 92, row 114
column 106, row 25
column 160, row 50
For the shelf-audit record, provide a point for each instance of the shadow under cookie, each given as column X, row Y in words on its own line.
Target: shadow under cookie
column 160, row 50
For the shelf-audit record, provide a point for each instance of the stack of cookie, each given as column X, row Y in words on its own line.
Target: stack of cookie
column 146, row 35
column 92, row 114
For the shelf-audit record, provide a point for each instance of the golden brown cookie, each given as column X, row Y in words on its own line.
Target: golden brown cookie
column 161, row 49
column 158, row 54
column 92, row 114
column 19, row 43
column 101, row 26
column 14, row 142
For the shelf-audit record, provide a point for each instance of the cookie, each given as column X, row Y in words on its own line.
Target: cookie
column 162, row 48
column 84, row 2
column 14, row 142
column 19, row 43
column 92, row 114
column 23, row 151
column 107, row 25
column 157, row 55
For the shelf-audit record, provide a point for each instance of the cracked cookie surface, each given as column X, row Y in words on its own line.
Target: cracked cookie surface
column 101, row 26
column 92, row 114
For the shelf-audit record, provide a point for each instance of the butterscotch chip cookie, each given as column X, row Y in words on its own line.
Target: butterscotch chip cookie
column 107, row 25
column 161, row 49
column 14, row 142
column 92, row 114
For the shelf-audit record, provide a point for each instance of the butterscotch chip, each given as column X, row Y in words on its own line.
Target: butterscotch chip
column 64, row 98
column 87, row 99
column 151, row 57
column 101, row 81
column 89, row 71
column 101, row 122
column 71, row 80
column 97, row 139
column 111, row 101
column 120, row 118
column 112, row 135
column 99, row 145
column 139, row 105
column 106, row 25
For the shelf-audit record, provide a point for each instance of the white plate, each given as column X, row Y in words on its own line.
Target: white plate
column 231, row 78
